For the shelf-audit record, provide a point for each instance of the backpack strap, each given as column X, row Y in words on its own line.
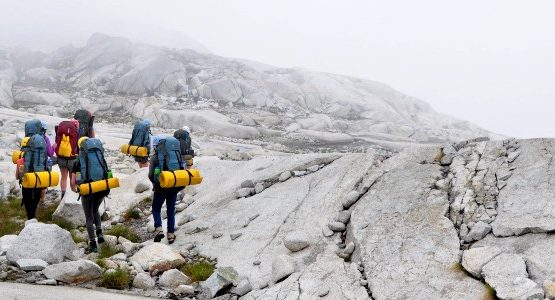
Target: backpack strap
column 190, row 176
column 103, row 164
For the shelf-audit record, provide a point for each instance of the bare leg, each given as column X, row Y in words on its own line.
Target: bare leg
column 63, row 183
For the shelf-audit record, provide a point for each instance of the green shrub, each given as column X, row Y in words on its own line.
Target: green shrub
column 124, row 231
column 107, row 250
column 132, row 213
column 198, row 271
column 12, row 216
column 115, row 280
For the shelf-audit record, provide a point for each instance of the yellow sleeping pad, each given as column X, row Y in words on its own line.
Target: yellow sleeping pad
column 179, row 178
column 98, row 186
column 40, row 180
column 17, row 154
column 134, row 150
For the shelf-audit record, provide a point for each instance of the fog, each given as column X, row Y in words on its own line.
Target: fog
column 489, row 62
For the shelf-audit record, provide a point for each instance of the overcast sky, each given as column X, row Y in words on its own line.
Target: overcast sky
column 490, row 62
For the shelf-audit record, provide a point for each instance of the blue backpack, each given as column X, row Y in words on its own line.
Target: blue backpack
column 36, row 158
column 91, row 158
column 32, row 127
column 169, row 154
column 141, row 134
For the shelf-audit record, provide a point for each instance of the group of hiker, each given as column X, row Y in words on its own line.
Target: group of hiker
column 80, row 156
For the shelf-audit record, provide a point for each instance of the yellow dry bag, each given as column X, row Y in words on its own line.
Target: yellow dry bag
column 16, row 155
column 134, row 150
column 42, row 179
column 179, row 178
column 98, row 186
column 64, row 150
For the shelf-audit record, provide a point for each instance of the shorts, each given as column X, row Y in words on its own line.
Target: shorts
column 66, row 163
column 141, row 160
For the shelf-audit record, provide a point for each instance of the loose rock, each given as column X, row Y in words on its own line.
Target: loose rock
column 143, row 281
column 219, row 280
column 350, row 199
column 296, row 241
column 174, row 278
column 79, row 271
column 242, row 288
column 247, row 184
column 337, row 226
column 284, row 176
column 157, row 253
column 31, row 264
column 475, row 259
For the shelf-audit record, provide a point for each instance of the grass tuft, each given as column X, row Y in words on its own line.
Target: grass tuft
column 198, row 271
column 132, row 213
column 12, row 216
column 107, row 250
column 118, row 280
column 101, row 263
column 76, row 237
column 124, row 231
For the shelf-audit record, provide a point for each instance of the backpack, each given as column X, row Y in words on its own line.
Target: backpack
column 141, row 134
column 36, row 158
column 86, row 120
column 169, row 155
column 91, row 158
column 184, row 142
column 67, row 135
column 33, row 127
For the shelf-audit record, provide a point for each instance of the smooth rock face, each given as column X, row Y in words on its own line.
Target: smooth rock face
column 400, row 204
column 474, row 259
column 507, row 274
column 157, row 253
column 79, row 271
column 282, row 266
column 143, row 281
column 48, row 242
column 173, row 278
column 31, row 264
column 523, row 205
column 5, row 243
column 296, row 241
column 221, row 278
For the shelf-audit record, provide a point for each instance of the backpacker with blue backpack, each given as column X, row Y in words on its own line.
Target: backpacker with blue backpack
column 33, row 127
column 35, row 158
column 93, row 165
column 168, row 154
column 141, row 135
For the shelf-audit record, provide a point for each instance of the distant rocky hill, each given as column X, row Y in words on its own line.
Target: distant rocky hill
column 220, row 96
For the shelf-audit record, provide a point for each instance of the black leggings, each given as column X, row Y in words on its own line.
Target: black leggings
column 92, row 216
column 31, row 199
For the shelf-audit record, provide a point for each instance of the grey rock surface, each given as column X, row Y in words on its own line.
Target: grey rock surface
column 174, row 278
column 296, row 241
column 79, row 271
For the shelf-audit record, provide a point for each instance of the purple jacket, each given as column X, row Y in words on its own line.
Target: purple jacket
column 49, row 149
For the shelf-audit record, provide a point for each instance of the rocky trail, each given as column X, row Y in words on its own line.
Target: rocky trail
column 467, row 220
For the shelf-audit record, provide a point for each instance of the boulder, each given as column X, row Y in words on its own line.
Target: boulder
column 350, row 199
column 296, row 241
column 478, row 232
column 71, row 210
column 507, row 274
column 221, row 279
column 243, row 192
column 284, row 176
column 26, row 264
column 344, row 216
column 74, row 272
column 143, row 186
column 157, row 253
column 174, row 278
column 259, row 188
column 282, row 267
column 48, row 242
column 247, row 184
column 242, row 288
column 185, row 290
column 475, row 259
column 6, row 242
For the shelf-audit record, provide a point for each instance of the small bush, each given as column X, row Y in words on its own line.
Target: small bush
column 101, row 263
column 12, row 216
column 124, row 231
column 132, row 213
column 107, row 250
column 76, row 237
column 115, row 280
column 198, row 271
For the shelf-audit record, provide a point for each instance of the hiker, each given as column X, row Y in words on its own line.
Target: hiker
column 89, row 167
column 35, row 159
column 49, row 151
column 185, row 143
column 167, row 157
column 141, row 137
column 86, row 121
column 67, row 135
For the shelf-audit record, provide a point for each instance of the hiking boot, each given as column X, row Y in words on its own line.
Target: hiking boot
column 159, row 234
column 93, row 247
column 171, row 238
column 100, row 236
column 63, row 194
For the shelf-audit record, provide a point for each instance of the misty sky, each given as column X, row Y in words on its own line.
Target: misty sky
column 489, row 62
